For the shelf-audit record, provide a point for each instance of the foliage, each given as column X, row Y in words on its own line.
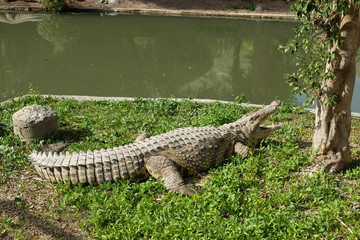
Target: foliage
column 310, row 61
column 250, row 7
column 261, row 197
column 318, row 32
column 53, row 5
column 240, row 98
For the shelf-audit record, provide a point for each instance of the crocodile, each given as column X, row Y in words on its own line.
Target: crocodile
column 168, row 157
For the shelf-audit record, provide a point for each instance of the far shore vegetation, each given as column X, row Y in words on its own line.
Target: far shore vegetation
column 265, row 196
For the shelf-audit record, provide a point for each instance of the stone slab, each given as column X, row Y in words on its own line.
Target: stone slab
column 34, row 122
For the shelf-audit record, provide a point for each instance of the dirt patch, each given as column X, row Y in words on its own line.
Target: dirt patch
column 28, row 210
column 214, row 6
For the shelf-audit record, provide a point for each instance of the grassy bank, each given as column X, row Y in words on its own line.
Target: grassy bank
column 263, row 196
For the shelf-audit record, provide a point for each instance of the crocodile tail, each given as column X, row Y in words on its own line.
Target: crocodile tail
column 91, row 167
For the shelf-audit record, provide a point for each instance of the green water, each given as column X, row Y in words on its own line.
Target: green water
column 144, row 56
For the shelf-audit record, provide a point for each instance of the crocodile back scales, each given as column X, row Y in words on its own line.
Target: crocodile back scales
column 193, row 149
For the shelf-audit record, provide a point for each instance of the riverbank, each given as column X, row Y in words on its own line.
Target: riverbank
column 266, row 9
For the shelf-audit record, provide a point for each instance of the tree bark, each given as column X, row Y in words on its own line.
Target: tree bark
column 333, row 120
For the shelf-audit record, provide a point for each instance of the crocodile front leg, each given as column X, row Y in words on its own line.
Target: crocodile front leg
column 162, row 168
column 242, row 150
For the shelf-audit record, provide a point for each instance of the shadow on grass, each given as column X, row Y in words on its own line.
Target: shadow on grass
column 4, row 129
column 305, row 145
column 34, row 225
column 70, row 135
column 61, row 139
column 354, row 164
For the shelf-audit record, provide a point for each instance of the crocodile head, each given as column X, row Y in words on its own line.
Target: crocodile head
column 248, row 129
column 260, row 133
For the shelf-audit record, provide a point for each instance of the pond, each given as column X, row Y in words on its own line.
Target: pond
column 144, row 56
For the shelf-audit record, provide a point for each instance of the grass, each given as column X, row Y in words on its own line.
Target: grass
column 260, row 197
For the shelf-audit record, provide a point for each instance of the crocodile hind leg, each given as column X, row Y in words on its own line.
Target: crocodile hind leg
column 162, row 168
column 142, row 137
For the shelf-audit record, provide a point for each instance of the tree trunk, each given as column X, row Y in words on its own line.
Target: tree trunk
column 333, row 108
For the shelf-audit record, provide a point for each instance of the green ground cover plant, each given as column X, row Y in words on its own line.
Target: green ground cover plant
column 265, row 196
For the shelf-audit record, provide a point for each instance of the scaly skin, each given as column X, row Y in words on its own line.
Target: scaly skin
column 167, row 157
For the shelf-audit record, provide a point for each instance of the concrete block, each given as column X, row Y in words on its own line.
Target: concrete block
column 34, row 122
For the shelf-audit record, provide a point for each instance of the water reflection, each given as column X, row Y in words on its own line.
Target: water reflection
column 17, row 18
column 146, row 56
column 54, row 29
